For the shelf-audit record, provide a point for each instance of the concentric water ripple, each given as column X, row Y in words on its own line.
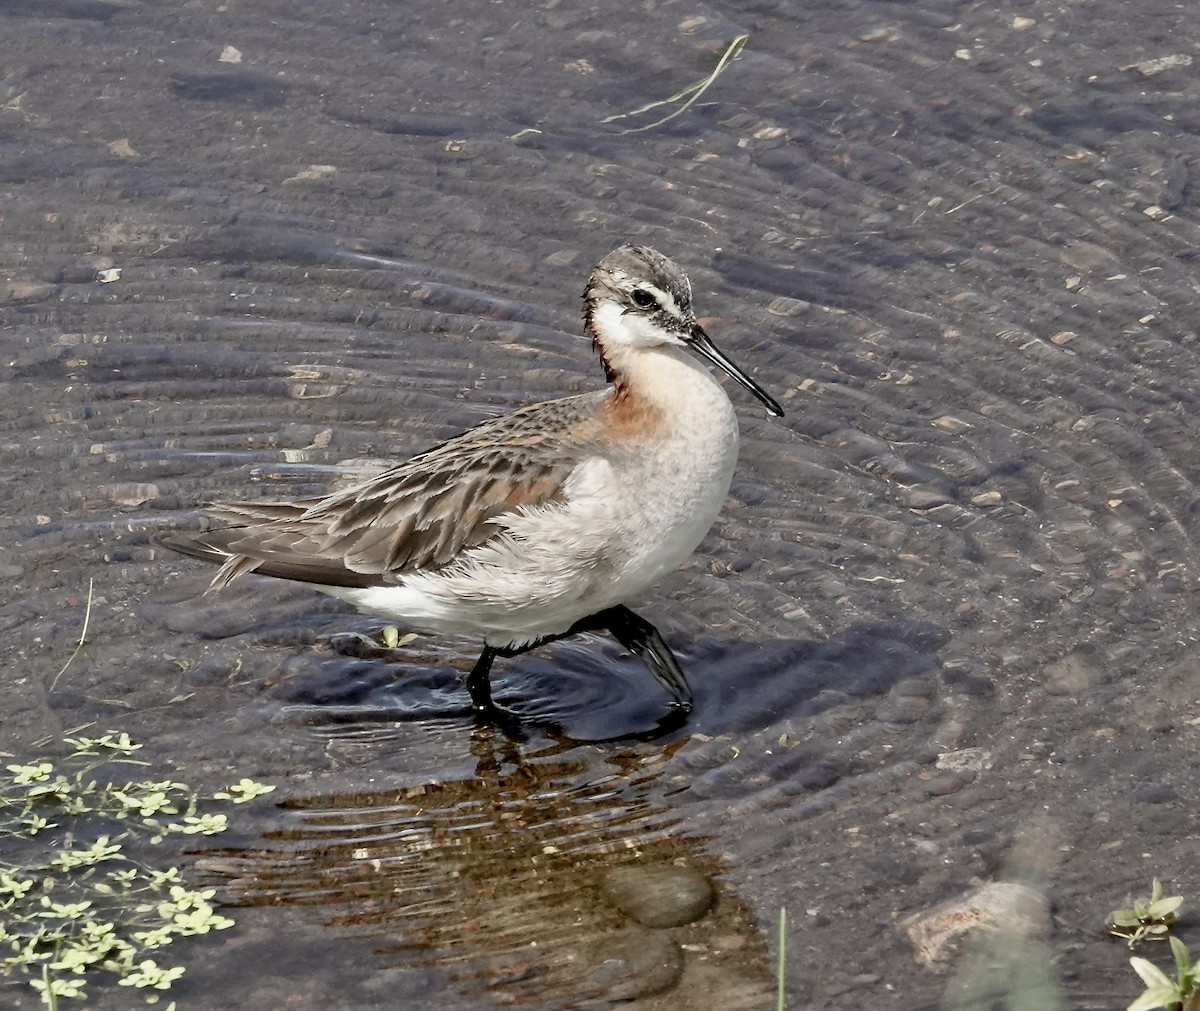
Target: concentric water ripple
column 957, row 242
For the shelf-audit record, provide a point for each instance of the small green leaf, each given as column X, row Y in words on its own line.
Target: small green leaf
column 243, row 790
column 23, row 775
column 1183, row 960
column 52, row 987
column 1160, row 909
column 1150, row 973
column 149, row 973
column 154, row 938
column 1158, row 997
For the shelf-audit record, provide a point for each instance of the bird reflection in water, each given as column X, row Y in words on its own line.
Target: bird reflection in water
column 533, row 880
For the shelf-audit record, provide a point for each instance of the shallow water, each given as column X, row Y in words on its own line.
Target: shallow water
column 958, row 248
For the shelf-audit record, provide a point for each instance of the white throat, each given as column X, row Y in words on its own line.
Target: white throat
column 614, row 328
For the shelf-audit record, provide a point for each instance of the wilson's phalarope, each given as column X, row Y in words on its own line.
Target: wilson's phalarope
column 537, row 525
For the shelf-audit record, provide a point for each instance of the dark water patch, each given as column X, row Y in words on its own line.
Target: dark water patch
column 231, row 87
column 268, row 240
column 385, row 121
column 828, row 286
column 75, row 10
column 24, row 166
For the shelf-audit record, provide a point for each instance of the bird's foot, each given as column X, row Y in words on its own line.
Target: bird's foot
column 504, row 720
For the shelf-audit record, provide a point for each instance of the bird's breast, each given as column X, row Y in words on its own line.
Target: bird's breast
column 652, row 497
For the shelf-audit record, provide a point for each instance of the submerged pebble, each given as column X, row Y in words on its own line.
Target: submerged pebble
column 659, row 895
column 635, row 963
column 998, row 907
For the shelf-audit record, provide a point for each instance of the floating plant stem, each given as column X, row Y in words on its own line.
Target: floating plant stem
column 87, row 617
column 691, row 93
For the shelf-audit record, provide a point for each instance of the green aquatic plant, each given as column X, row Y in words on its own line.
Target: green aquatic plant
column 1147, row 919
column 83, row 899
column 390, row 636
column 1178, row 994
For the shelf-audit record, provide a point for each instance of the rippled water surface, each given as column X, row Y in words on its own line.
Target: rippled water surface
column 947, row 610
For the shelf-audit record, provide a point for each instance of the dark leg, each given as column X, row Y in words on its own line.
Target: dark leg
column 479, row 682
column 631, row 630
column 643, row 640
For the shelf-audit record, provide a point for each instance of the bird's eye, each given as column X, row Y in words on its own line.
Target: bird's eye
column 643, row 299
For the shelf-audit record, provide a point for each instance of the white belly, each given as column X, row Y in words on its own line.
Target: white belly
column 623, row 525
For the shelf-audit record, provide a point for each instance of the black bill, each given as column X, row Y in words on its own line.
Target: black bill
column 702, row 344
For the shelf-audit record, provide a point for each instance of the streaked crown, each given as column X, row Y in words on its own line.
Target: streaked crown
column 639, row 298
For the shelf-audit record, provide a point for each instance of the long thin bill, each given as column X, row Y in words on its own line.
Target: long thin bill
column 702, row 344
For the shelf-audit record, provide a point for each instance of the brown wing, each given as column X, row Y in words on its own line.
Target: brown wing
column 416, row 516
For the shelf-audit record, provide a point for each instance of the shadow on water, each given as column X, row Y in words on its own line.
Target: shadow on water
column 587, row 690
column 553, row 877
